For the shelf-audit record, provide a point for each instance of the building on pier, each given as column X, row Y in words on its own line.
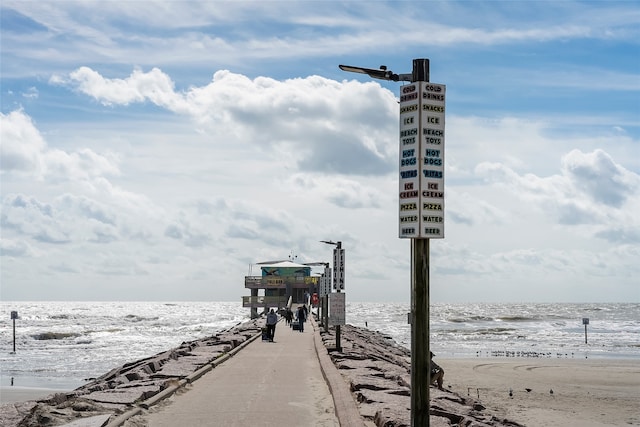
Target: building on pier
column 278, row 282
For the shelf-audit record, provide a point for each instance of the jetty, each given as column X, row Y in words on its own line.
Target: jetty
column 284, row 382
column 235, row 378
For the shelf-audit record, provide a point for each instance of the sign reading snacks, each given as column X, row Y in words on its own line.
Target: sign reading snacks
column 422, row 160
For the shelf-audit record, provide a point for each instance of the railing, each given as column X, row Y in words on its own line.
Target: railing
column 264, row 301
column 279, row 282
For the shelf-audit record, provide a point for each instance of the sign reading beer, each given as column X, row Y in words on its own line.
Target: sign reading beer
column 421, row 192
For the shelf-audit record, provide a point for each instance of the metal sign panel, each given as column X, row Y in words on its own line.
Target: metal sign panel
column 421, row 192
column 325, row 282
column 338, row 265
column 337, row 308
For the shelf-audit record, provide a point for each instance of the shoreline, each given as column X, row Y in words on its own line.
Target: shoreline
column 27, row 388
column 597, row 392
column 458, row 370
column 550, row 392
column 18, row 394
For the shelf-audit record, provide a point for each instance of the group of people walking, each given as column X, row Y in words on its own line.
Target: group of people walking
column 297, row 318
column 300, row 317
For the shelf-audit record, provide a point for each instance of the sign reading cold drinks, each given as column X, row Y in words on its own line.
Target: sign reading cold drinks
column 421, row 190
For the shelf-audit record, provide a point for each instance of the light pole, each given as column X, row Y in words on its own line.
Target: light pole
column 421, row 209
column 338, row 282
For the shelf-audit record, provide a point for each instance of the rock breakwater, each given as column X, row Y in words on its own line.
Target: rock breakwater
column 378, row 372
column 374, row 367
column 133, row 386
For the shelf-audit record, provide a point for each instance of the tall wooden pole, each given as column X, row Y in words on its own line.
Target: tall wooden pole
column 335, row 267
column 325, row 312
column 419, row 316
column 420, row 352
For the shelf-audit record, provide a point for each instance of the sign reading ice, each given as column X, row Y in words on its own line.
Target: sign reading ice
column 421, row 192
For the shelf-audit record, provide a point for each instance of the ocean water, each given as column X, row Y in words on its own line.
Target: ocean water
column 64, row 344
column 513, row 330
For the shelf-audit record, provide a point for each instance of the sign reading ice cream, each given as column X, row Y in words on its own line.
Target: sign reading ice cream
column 421, row 192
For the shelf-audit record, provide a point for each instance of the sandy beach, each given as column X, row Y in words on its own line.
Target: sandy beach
column 586, row 392
column 23, row 394
column 21, row 389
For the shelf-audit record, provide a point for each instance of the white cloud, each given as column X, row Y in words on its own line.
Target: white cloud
column 143, row 171
column 13, row 248
column 315, row 121
column 154, row 86
column 21, row 145
column 25, row 152
column 242, row 169
column 31, row 93
column 591, row 190
column 599, row 178
column 175, row 34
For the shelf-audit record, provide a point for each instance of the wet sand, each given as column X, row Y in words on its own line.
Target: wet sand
column 563, row 392
column 23, row 394
column 22, row 389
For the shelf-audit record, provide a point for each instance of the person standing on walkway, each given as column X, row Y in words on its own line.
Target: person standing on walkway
column 272, row 319
column 302, row 317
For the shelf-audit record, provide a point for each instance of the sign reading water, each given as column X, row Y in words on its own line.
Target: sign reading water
column 421, row 192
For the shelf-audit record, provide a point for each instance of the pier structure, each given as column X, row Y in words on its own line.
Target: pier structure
column 281, row 283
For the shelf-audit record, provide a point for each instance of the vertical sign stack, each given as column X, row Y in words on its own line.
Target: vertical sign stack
column 422, row 160
column 325, row 282
column 338, row 269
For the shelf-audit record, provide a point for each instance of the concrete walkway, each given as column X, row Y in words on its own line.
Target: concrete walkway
column 265, row 384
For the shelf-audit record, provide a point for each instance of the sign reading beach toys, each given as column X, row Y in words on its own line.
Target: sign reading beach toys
column 422, row 160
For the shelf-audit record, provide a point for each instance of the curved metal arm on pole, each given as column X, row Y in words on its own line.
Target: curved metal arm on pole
column 382, row 73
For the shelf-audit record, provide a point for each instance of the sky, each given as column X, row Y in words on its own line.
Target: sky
column 158, row 150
